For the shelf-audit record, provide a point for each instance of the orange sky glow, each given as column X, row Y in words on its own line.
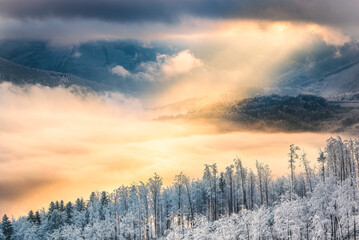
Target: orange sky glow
column 55, row 144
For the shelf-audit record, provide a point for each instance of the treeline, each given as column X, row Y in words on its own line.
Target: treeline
column 319, row 203
column 279, row 113
column 289, row 113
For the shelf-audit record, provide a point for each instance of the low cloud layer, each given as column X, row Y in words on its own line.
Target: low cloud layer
column 55, row 144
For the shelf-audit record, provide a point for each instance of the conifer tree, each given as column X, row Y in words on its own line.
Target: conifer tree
column 62, row 206
column 104, row 199
column 31, row 217
column 57, row 205
column 52, row 207
column 80, row 206
column 37, row 218
column 69, row 211
column 7, row 228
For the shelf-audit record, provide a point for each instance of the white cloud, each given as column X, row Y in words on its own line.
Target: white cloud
column 168, row 66
column 120, row 71
column 181, row 63
column 164, row 68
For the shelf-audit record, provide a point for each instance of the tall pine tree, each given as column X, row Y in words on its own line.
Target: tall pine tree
column 6, row 227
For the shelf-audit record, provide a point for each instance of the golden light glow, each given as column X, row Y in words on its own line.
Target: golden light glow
column 239, row 56
column 66, row 149
column 55, row 144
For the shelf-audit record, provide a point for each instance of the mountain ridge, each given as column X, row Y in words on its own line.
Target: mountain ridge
column 22, row 75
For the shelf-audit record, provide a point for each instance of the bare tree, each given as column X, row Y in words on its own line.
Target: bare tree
column 155, row 184
column 292, row 157
column 304, row 160
column 229, row 176
column 259, row 167
column 243, row 176
column 321, row 159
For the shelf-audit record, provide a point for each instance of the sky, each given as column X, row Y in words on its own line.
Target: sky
column 58, row 143
column 62, row 149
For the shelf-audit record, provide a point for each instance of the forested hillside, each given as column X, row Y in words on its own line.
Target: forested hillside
column 275, row 113
column 237, row 203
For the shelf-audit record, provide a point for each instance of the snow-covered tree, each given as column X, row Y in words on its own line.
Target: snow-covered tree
column 6, row 227
column 238, row 203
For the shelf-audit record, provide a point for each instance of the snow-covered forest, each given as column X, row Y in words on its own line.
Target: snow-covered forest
column 320, row 202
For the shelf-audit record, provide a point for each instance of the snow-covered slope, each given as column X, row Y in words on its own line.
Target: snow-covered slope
column 344, row 81
column 322, row 70
column 19, row 74
column 92, row 60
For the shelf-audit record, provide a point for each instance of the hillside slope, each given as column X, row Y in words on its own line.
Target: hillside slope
column 323, row 70
column 91, row 60
column 21, row 75
column 275, row 113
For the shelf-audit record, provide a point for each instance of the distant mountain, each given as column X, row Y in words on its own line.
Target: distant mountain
column 323, row 70
column 19, row 74
column 92, row 60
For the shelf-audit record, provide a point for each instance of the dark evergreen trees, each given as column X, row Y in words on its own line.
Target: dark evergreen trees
column 6, row 227
column 69, row 211
column 37, row 218
column 31, row 217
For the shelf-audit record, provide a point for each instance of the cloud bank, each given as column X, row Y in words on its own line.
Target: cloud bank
column 164, row 68
column 55, row 143
column 319, row 11
column 69, row 22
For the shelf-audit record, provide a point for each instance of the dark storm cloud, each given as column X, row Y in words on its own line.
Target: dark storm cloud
column 321, row 11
